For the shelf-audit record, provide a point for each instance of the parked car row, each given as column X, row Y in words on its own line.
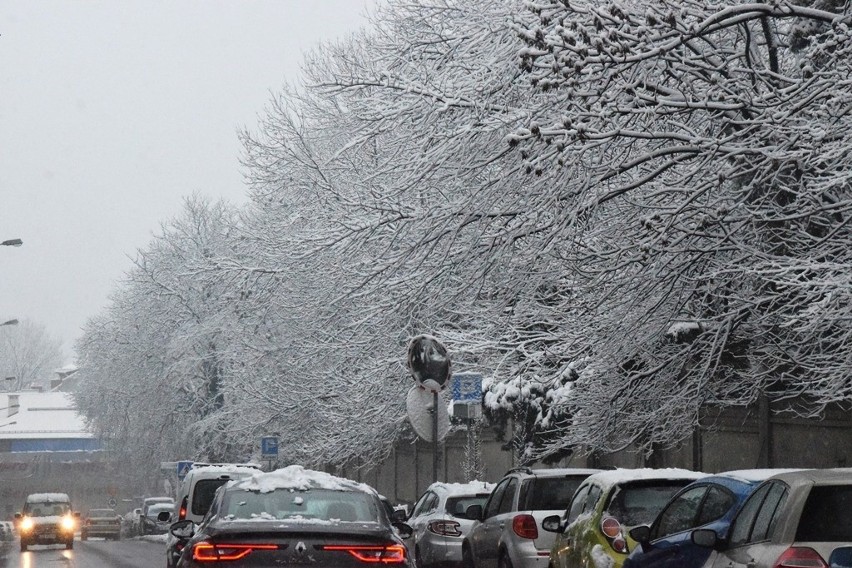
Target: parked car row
column 644, row 518
column 531, row 518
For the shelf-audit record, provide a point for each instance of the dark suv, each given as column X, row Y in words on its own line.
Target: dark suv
column 509, row 530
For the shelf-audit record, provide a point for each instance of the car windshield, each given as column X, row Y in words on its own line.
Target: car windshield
column 47, row 509
column 102, row 513
column 320, row 504
column 639, row 504
column 457, row 506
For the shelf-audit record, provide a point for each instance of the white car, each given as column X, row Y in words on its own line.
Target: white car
column 440, row 521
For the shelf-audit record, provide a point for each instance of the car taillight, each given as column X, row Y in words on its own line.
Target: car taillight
column 800, row 557
column 525, row 526
column 611, row 529
column 182, row 510
column 391, row 554
column 210, row 552
column 444, row 528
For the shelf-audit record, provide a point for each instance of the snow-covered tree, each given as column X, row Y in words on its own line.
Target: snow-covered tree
column 700, row 152
column 28, row 355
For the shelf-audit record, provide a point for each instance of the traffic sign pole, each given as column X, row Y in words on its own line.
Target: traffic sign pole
column 435, row 436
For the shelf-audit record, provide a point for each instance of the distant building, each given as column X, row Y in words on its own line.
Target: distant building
column 34, row 421
column 45, row 447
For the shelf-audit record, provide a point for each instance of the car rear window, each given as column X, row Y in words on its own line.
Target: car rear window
column 551, row 493
column 827, row 515
column 639, row 503
column 323, row 505
column 102, row 513
column 457, row 506
column 202, row 495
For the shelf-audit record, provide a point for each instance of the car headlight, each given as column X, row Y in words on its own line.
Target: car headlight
column 68, row 523
column 26, row 525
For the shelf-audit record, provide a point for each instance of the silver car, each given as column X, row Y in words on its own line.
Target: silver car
column 440, row 522
column 509, row 533
column 801, row 518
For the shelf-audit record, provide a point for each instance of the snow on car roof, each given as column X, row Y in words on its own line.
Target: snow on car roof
column 297, row 478
column 616, row 476
column 470, row 488
column 48, row 498
column 754, row 474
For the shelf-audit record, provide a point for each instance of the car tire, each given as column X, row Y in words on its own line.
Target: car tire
column 84, row 536
column 23, row 546
column 418, row 559
column 69, row 545
column 467, row 557
column 118, row 536
column 505, row 561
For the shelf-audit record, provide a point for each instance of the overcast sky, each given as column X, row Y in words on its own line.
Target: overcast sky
column 111, row 112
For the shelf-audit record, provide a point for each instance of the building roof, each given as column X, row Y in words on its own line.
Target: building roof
column 40, row 415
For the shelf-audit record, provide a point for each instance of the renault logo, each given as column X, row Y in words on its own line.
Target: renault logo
column 301, row 548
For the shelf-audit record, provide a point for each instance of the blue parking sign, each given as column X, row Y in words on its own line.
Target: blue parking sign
column 269, row 446
column 467, row 387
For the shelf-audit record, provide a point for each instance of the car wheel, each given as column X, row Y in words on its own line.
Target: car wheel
column 505, row 561
column 23, row 546
column 118, row 536
column 467, row 557
column 84, row 536
column 69, row 545
column 418, row 559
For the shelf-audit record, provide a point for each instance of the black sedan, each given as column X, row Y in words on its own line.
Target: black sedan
column 295, row 516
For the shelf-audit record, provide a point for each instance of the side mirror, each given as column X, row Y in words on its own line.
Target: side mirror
column 164, row 517
column 398, row 516
column 474, row 512
column 705, row 538
column 182, row 530
column 404, row 530
column 553, row 524
column 641, row 534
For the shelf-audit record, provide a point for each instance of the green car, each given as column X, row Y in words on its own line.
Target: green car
column 592, row 533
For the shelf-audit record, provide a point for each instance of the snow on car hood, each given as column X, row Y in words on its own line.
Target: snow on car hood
column 297, row 478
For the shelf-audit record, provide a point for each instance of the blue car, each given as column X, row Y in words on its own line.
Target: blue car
column 709, row 503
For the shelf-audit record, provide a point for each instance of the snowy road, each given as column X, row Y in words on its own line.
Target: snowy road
column 129, row 553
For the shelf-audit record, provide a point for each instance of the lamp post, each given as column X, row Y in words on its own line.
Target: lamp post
column 12, row 243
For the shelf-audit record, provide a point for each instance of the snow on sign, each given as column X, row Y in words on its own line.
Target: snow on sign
column 467, row 387
column 429, row 363
column 419, row 404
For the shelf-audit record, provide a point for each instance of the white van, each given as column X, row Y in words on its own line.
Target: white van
column 196, row 494
column 200, row 484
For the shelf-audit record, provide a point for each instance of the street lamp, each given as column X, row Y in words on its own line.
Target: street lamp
column 12, row 243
